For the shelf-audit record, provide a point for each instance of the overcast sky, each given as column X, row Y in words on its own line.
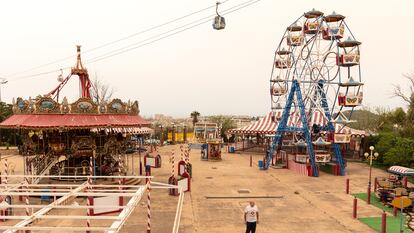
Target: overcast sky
column 214, row 72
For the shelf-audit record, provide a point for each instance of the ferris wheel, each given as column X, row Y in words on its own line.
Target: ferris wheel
column 316, row 69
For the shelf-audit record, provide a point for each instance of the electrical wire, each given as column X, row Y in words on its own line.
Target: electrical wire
column 151, row 39
column 115, row 41
column 168, row 33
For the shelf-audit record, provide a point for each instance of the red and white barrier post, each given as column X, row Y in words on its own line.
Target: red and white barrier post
column 149, row 206
column 6, row 171
column 88, row 199
column 28, row 213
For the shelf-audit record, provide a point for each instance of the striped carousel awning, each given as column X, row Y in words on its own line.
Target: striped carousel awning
column 266, row 125
column 129, row 130
column 404, row 171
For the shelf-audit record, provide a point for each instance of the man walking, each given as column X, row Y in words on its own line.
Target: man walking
column 251, row 217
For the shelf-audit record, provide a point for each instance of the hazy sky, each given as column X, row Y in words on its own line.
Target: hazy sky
column 214, row 72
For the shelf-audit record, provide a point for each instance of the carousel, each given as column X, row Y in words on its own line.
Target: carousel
column 61, row 138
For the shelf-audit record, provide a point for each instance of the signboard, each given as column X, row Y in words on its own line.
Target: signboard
column 181, row 168
column 100, row 205
column 150, row 161
column 183, row 183
column 322, row 157
column 301, row 158
column 402, row 202
column 342, row 138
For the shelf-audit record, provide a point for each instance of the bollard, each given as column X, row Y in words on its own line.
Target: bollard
column 383, row 222
column 375, row 184
column 251, row 161
column 354, row 213
column 347, row 186
column 394, row 211
column 369, row 195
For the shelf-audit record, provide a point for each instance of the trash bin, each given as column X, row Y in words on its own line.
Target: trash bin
column 260, row 164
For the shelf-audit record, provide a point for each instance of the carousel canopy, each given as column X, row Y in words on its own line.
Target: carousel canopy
column 45, row 113
column 49, row 121
column 267, row 126
column 404, row 171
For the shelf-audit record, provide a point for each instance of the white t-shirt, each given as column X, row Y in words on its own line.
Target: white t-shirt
column 251, row 213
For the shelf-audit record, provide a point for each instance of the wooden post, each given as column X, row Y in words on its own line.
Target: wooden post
column 347, row 186
column 375, row 184
column 354, row 212
column 251, row 161
column 394, row 211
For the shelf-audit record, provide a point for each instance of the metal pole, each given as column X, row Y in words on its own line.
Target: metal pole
column 369, row 181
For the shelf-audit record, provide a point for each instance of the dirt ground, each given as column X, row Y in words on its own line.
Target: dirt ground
column 287, row 202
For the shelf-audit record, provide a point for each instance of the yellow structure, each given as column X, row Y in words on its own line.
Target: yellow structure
column 179, row 136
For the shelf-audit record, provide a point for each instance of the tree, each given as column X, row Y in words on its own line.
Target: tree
column 195, row 116
column 225, row 122
column 101, row 92
column 407, row 97
column 5, row 112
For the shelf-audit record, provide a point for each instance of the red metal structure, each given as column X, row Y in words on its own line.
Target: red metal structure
column 84, row 81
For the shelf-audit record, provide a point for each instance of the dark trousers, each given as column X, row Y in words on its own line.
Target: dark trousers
column 250, row 227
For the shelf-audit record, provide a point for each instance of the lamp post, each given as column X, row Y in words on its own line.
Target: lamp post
column 370, row 156
column 2, row 81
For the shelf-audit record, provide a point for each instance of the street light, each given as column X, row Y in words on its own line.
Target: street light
column 2, row 81
column 370, row 156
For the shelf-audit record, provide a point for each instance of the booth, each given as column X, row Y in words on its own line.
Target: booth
column 211, row 150
column 152, row 161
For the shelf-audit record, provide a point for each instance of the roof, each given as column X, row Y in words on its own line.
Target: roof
column 48, row 121
column 266, row 126
column 404, row 171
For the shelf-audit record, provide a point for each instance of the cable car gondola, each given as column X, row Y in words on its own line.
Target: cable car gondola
column 219, row 21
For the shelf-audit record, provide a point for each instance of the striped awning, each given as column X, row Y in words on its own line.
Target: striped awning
column 128, row 130
column 267, row 126
column 404, row 171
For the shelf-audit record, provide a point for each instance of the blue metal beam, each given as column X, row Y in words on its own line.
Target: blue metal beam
column 330, row 128
column 282, row 128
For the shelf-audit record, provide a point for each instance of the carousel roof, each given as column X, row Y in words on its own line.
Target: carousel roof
column 49, row 121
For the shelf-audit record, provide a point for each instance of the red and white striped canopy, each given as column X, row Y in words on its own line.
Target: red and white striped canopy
column 404, row 171
column 267, row 126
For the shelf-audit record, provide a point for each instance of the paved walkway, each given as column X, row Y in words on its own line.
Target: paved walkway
column 218, row 197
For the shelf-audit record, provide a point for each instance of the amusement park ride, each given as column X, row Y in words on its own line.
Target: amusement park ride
column 60, row 138
column 316, row 69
